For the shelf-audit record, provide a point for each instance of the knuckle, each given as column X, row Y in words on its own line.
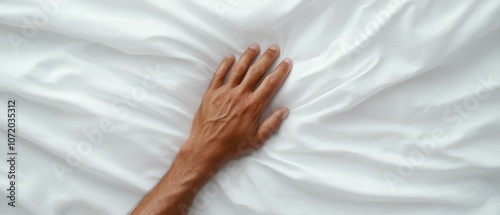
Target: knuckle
column 253, row 107
column 256, row 69
column 238, row 69
column 272, row 81
column 260, row 140
column 218, row 75
column 269, row 131
column 256, row 144
column 249, row 54
column 239, row 92
column 239, row 99
column 214, row 100
column 235, row 97
column 208, row 95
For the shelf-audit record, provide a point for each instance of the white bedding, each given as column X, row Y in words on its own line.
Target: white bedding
column 394, row 105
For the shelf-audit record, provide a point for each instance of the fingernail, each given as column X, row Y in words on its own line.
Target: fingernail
column 254, row 46
column 284, row 114
column 274, row 47
column 230, row 56
column 288, row 60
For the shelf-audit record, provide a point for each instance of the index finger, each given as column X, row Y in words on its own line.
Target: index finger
column 273, row 81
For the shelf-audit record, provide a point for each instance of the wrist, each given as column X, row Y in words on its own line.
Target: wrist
column 201, row 157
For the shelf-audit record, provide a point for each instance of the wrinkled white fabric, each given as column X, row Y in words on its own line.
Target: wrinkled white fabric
column 394, row 105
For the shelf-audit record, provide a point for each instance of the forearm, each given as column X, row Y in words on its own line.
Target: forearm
column 176, row 191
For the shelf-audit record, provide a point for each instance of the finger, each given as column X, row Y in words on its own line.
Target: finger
column 273, row 81
column 258, row 69
column 270, row 125
column 220, row 74
column 241, row 67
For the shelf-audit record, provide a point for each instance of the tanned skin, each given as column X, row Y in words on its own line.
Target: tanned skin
column 226, row 126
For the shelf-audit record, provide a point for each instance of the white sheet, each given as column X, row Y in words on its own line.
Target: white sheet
column 394, row 104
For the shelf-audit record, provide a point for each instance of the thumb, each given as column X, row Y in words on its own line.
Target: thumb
column 270, row 125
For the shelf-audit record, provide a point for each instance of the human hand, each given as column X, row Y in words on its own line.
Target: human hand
column 225, row 127
column 227, row 123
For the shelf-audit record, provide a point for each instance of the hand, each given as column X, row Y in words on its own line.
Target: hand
column 226, row 124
